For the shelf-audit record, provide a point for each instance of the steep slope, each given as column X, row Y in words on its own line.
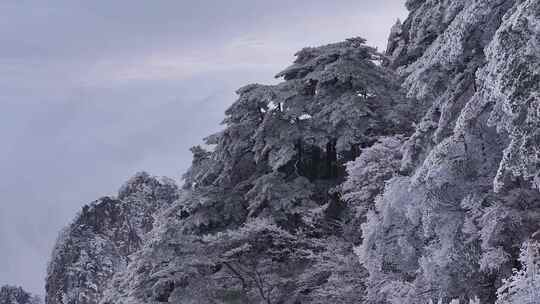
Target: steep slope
column 16, row 295
column 410, row 177
column 451, row 225
column 99, row 241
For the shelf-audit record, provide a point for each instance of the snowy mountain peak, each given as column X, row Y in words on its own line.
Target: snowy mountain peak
column 100, row 240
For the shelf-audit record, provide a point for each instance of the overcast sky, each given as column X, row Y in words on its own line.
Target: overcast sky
column 93, row 91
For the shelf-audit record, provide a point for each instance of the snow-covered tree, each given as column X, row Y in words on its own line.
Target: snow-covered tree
column 17, row 295
column 333, row 187
column 450, row 228
column 523, row 286
column 262, row 258
column 273, row 174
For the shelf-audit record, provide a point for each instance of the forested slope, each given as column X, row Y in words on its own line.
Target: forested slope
column 406, row 177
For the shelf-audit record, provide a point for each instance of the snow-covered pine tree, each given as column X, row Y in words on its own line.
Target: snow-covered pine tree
column 263, row 205
column 524, row 285
column 444, row 188
column 451, row 226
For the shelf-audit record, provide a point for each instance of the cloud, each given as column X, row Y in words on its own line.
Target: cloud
column 93, row 91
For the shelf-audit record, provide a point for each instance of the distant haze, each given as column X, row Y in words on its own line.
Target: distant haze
column 93, row 91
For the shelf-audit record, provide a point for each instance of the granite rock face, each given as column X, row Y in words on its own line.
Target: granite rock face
column 100, row 240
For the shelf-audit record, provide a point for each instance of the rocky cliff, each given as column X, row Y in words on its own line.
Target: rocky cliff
column 16, row 295
column 100, row 240
column 406, row 177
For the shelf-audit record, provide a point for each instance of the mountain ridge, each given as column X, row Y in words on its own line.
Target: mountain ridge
column 405, row 177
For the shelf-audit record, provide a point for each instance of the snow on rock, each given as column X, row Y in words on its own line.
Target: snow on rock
column 17, row 295
column 100, row 240
column 414, row 181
